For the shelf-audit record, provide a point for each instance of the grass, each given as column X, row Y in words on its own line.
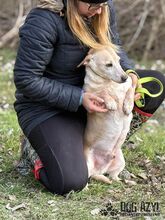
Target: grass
column 39, row 204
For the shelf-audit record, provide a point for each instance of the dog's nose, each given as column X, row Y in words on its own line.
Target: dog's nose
column 124, row 78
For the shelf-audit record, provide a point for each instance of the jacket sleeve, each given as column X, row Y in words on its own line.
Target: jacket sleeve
column 37, row 42
column 125, row 62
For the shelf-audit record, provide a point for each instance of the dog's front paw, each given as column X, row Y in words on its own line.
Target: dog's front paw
column 111, row 105
column 127, row 108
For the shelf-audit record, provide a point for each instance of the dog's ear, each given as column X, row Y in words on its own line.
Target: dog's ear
column 91, row 51
column 85, row 60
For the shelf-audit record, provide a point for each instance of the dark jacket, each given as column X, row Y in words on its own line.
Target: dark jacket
column 45, row 74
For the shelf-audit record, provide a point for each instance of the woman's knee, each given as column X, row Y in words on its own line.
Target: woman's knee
column 69, row 182
column 75, row 176
column 76, row 184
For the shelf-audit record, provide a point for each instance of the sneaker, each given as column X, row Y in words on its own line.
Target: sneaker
column 37, row 166
column 27, row 159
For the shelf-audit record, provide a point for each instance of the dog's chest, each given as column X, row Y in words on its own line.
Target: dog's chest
column 117, row 90
column 111, row 123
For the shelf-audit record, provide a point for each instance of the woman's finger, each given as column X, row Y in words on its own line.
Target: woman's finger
column 137, row 96
column 96, row 98
column 97, row 108
column 134, row 80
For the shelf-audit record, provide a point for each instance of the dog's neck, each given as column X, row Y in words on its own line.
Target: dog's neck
column 93, row 80
column 97, row 73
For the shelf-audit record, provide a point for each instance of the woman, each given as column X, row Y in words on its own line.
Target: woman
column 50, row 103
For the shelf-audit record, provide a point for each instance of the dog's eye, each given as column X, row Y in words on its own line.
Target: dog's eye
column 109, row 65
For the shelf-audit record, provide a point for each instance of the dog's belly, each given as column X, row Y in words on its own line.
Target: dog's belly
column 104, row 130
column 104, row 135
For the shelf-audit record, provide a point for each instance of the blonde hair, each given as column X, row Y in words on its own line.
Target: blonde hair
column 97, row 38
column 99, row 25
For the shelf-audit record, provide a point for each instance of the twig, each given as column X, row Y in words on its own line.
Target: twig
column 130, row 8
column 163, row 7
column 141, row 24
column 14, row 31
column 153, row 34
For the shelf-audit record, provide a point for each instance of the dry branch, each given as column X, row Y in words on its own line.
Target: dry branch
column 130, row 8
column 136, row 28
column 136, row 21
column 141, row 24
column 153, row 34
column 163, row 7
column 14, row 31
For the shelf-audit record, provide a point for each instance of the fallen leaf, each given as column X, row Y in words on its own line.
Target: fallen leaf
column 21, row 206
column 110, row 191
column 55, row 210
column 130, row 182
column 161, row 158
column 154, row 180
column 138, row 139
column 15, row 208
column 133, row 176
column 143, row 176
column 95, row 211
column 8, row 206
column 50, row 202
column 146, row 161
column 12, row 197
column 6, row 106
column 68, row 195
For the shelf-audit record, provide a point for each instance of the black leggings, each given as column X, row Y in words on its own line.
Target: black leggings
column 59, row 144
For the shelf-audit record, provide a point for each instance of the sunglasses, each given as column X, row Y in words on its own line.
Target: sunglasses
column 94, row 7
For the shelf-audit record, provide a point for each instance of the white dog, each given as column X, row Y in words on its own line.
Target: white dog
column 106, row 132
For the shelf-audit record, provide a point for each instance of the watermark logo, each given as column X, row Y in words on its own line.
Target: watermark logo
column 132, row 209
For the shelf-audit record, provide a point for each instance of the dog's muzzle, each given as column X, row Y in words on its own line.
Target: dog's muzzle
column 124, row 78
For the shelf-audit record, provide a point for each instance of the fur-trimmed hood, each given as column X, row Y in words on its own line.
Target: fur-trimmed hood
column 55, row 5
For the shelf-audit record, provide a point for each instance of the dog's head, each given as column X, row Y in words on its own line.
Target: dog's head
column 106, row 64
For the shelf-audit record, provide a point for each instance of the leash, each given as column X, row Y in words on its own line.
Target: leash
column 141, row 102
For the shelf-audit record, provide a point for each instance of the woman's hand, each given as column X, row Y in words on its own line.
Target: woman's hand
column 93, row 103
column 135, row 84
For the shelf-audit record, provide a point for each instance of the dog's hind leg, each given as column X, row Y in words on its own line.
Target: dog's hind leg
column 101, row 178
column 117, row 165
column 118, row 162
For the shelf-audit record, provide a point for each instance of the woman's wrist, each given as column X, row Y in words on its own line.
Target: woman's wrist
column 130, row 71
column 81, row 97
